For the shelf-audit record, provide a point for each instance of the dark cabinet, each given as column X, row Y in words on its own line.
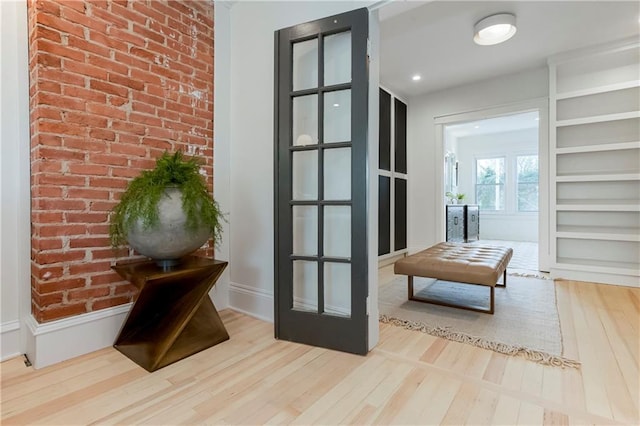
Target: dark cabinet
column 463, row 223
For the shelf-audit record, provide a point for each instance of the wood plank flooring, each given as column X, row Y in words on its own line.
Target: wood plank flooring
column 409, row 378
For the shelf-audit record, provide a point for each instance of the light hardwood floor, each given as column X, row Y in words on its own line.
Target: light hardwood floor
column 409, row 378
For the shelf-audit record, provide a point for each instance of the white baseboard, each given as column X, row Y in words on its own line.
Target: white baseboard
column 56, row 341
column 596, row 277
column 10, row 333
column 251, row 301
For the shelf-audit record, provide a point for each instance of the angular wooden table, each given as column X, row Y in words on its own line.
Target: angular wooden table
column 173, row 316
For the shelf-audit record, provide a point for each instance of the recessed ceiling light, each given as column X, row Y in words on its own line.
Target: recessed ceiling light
column 336, row 105
column 476, row 127
column 494, row 29
column 416, row 77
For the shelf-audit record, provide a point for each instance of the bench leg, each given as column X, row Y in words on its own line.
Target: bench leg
column 504, row 280
column 415, row 298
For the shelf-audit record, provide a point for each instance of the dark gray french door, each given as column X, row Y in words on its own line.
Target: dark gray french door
column 321, row 112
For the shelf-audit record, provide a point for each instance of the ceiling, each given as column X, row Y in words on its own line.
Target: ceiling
column 504, row 123
column 435, row 39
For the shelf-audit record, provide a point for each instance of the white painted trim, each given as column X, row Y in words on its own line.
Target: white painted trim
column 222, row 143
column 10, row 334
column 596, row 277
column 57, row 341
column 251, row 301
column 373, row 326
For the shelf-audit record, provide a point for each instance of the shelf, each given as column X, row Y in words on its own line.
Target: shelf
column 592, row 265
column 598, row 119
column 599, row 205
column 598, row 148
column 600, row 89
column 605, row 236
column 597, row 177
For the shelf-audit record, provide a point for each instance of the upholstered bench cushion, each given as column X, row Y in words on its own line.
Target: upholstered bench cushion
column 459, row 262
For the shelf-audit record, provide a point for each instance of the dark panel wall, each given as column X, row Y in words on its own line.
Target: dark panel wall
column 400, row 221
column 400, row 136
column 384, row 147
column 384, row 215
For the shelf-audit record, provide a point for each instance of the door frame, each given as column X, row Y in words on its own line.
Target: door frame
column 542, row 106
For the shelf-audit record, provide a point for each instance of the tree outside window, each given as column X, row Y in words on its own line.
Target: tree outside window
column 527, row 176
column 490, row 179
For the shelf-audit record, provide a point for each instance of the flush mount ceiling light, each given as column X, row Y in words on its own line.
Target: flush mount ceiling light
column 494, row 29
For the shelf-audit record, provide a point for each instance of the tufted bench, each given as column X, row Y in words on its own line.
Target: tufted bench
column 459, row 262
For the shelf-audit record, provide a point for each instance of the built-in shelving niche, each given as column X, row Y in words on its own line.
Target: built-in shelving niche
column 595, row 146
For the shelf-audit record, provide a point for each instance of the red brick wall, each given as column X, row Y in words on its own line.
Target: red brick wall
column 112, row 85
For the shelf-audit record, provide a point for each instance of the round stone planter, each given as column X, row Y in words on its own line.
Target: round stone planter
column 169, row 240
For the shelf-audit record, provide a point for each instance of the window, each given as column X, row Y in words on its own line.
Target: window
column 527, row 178
column 490, row 174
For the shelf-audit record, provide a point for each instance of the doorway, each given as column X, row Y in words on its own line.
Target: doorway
column 496, row 159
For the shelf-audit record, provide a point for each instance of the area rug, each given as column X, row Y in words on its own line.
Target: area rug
column 525, row 322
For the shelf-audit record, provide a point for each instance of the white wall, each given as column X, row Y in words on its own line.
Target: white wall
column 251, row 143
column 424, row 157
column 508, row 225
column 14, row 176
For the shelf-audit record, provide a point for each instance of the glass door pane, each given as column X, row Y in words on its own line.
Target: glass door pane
column 337, row 116
column 337, row 58
column 305, row 64
column 337, row 288
column 337, row 231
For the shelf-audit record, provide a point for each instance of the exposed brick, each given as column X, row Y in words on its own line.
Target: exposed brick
column 108, row 88
column 104, row 40
column 108, row 278
column 47, row 60
column 84, row 94
column 128, row 14
column 88, row 169
column 106, row 110
column 107, row 303
column 85, row 218
column 48, row 299
column 88, row 293
column 48, row 6
column 86, row 46
column 107, row 135
column 110, row 18
column 60, row 311
column 126, row 81
column 111, row 88
column 47, row 113
column 84, row 69
column 61, row 102
column 89, row 194
column 99, row 206
column 155, row 16
column 89, row 267
column 125, row 289
column 107, row 64
column 84, row 144
column 59, row 153
column 46, row 244
column 62, row 25
column 82, row 19
column 62, row 230
column 59, row 50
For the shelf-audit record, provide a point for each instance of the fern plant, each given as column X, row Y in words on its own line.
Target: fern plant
column 140, row 199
